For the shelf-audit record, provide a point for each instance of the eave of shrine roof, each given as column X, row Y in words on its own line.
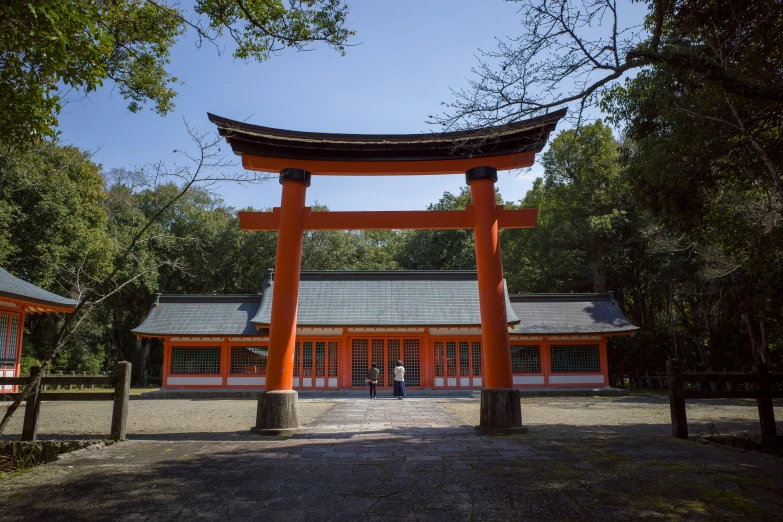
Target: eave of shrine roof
column 569, row 314
column 393, row 298
column 206, row 315
column 27, row 293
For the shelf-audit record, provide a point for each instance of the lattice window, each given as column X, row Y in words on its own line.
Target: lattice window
column 582, row 358
column 3, row 335
column 11, row 354
column 195, row 360
column 412, row 360
column 249, row 359
column 359, row 358
column 378, row 359
column 297, row 352
column 476, row 346
column 320, row 359
column 451, row 359
column 525, row 359
column 439, row 362
column 464, row 359
column 393, row 354
column 333, row 359
column 307, row 358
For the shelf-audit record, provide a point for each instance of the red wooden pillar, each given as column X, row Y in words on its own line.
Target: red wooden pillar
column 282, row 329
column 501, row 410
column 492, row 299
column 278, row 406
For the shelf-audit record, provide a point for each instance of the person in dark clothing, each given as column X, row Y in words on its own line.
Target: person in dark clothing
column 372, row 380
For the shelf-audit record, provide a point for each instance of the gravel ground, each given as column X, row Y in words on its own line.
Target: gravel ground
column 226, row 419
column 618, row 416
column 160, row 419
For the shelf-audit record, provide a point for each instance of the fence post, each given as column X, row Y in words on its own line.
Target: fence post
column 729, row 387
column 119, row 415
column 677, row 399
column 747, row 384
column 81, row 386
column 31, row 409
column 766, row 412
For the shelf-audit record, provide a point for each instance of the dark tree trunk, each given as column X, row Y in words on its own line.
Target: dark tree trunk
column 144, row 353
column 754, row 347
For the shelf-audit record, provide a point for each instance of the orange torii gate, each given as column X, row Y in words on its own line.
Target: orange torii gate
column 297, row 156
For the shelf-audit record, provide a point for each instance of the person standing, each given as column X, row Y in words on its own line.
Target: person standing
column 399, row 380
column 372, row 380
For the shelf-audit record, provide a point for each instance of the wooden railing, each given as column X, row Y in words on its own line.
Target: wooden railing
column 121, row 394
column 763, row 382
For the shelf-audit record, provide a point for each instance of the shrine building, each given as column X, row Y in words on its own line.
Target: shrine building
column 18, row 298
column 347, row 320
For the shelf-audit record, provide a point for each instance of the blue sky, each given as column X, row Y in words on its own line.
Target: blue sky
column 410, row 54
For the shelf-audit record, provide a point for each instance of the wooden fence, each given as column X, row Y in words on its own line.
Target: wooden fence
column 658, row 379
column 760, row 385
column 121, row 394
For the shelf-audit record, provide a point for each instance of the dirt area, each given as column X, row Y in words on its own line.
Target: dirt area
column 614, row 416
column 176, row 419
column 230, row 419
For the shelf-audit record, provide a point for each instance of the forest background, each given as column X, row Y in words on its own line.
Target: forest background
column 63, row 216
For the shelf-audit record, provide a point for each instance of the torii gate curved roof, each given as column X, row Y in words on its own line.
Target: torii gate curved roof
column 503, row 147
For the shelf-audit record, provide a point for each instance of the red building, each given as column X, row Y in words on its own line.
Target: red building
column 348, row 320
column 18, row 298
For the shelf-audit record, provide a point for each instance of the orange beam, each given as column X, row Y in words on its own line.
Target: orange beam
column 388, row 168
column 389, row 220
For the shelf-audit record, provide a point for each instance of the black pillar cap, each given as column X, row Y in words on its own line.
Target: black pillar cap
column 299, row 175
column 481, row 173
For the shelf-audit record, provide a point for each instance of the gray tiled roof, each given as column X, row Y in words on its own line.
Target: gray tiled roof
column 201, row 315
column 15, row 288
column 394, row 298
column 569, row 314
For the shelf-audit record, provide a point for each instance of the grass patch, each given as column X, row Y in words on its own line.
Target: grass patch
column 16, row 456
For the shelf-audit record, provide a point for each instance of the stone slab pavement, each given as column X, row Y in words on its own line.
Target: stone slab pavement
column 404, row 460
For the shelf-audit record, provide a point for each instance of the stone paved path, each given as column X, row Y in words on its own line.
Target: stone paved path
column 400, row 460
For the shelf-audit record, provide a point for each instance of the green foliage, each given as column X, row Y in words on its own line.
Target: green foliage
column 64, row 224
column 51, row 47
column 26, row 363
column 55, row 225
column 441, row 249
column 582, row 216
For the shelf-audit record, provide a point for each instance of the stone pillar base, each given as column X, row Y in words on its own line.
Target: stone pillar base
column 278, row 413
column 501, row 411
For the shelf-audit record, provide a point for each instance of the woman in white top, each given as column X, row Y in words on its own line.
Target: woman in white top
column 399, row 380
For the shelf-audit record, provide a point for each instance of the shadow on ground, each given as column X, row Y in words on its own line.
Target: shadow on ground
column 447, row 474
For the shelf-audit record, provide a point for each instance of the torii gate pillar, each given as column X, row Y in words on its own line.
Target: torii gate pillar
column 278, row 406
column 501, row 410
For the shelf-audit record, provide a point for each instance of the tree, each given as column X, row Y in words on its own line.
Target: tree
column 441, row 249
column 574, row 52
column 50, row 45
column 54, row 224
column 206, row 168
